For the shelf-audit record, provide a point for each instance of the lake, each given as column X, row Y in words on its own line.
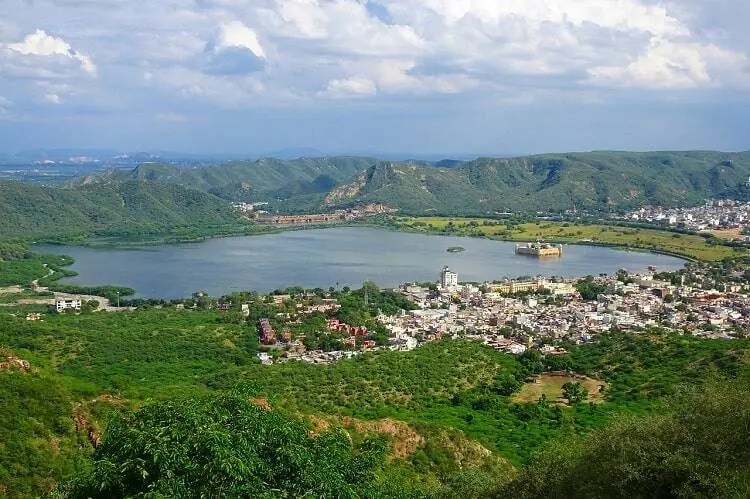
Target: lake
column 343, row 256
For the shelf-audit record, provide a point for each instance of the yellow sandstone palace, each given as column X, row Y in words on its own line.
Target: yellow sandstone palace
column 539, row 249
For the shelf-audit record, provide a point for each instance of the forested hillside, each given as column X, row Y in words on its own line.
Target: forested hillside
column 154, row 198
column 116, row 209
column 598, row 181
column 258, row 180
column 593, row 181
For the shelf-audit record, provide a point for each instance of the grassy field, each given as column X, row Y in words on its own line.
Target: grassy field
column 688, row 245
column 728, row 234
column 550, row 385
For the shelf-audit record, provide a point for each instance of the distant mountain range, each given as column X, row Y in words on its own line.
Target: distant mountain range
column 120, row 209
column 303, row 181
column 156, row 197
column 594, row 181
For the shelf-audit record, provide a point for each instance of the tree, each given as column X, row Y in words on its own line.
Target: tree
column 506, row 385
column 589, row 289
column 699, row 447
column 575, row 393
column 224, row 446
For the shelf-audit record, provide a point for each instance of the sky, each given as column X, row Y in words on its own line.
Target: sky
column 384, row 76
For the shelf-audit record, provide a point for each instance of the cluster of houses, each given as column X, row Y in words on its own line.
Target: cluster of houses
column 341, row 327
column 555, row 310
column 714, row 215
column 310, row 357
column 513, row 316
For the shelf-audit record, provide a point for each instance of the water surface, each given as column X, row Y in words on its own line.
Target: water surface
column 343, row 256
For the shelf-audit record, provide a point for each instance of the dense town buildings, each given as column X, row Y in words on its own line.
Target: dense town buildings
column 513, row 316
column 720, row 214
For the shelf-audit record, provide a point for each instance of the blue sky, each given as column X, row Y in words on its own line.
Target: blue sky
column 408, row 76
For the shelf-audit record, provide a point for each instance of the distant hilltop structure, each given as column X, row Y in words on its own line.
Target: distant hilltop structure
column 539, row 249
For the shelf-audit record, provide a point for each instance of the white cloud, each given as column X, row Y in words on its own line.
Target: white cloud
column 624, row 15
column 41, row 44
column 339, row 27
column 52, row 98
column 234, row 34
column 672, row 65
column 348, row 87
column 234, row 50
column 245, row 53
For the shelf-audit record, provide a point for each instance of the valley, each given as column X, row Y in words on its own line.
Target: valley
column 423, row 390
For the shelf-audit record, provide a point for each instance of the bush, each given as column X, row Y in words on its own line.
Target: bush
column 699, row 448
column 224, row 446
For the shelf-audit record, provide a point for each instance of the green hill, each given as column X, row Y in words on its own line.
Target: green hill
column 593, row 181
column 259, row 180
column 154, row 198
column 597, row 181
column 122, row 208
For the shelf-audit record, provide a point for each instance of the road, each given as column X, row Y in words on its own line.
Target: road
column 104, row 303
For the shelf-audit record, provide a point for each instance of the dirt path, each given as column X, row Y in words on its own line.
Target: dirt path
column 104, row 303
column 35, row 283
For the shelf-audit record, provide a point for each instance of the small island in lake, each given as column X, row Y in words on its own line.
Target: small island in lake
column 539, row 249
column 456, row 249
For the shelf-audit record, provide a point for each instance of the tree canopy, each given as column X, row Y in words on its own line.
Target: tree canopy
column 225, row 446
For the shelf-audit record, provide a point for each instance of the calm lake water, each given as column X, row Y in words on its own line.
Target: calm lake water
column 346, row 256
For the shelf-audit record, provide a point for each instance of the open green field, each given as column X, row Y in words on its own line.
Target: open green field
column 551, row 386
column 687, row 245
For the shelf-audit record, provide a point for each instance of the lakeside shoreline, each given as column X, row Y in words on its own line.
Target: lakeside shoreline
column 359, row 253
column 157, row 240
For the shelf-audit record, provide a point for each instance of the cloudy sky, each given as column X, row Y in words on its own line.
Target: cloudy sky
column 410, row 76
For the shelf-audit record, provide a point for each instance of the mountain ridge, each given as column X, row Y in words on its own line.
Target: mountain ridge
column 160, row 198
column 131, row 207
column 604, row 181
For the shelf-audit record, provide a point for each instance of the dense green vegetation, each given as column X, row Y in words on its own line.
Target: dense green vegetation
column 149, row 353
column 118, row 360
column 38, row 442
column 265, row 180
column 112, row 293
column 13, row 249
column 589, row 289
column 698, row 447
column 226, row 447
column 593, row 181
column 124, row 210
column 30, row 267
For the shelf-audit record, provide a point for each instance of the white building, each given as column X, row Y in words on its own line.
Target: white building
column 448, row 279
column 67, row 303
